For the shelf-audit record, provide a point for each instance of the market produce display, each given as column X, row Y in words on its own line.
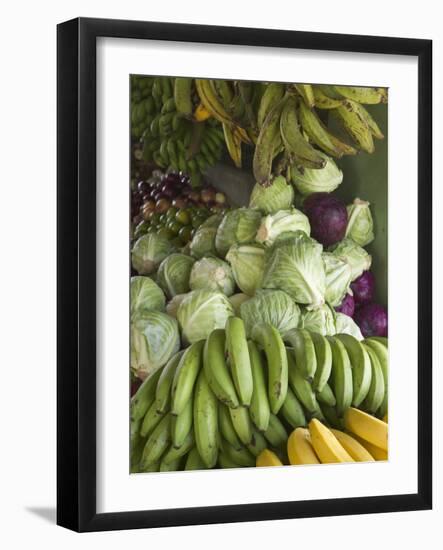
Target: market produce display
column 256, row 339
column 268, row 400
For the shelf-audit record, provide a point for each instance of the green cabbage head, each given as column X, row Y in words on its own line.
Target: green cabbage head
column 360, row 226
column 149, row 251
column 146, row 295
column 338, row 278
column 212, row 274
column 154, row 339
column 237, row 227
column 356, row 256
column 247, row 263
column 173, row 274
column 277, row 196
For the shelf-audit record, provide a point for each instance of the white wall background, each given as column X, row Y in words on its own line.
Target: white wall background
column 27, row 274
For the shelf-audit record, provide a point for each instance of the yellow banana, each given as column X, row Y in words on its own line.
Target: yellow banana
column 268, row 458
column 385, row 418
column 376, row 452
column 326, row 445
column 367, row 427
column 353, row 447
column 300, row 449
column 201, row 113
column 210, row 100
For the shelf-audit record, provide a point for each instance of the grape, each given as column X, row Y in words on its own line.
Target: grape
column 162, row 205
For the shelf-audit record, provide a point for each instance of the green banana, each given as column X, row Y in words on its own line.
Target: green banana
column 183, row 95
column 152, row 468
column 326, row 396
column 163, row 390
column 361, row 367
column 225, row 462
column 242, row 424
column 173, row 466
column 206, row 421
column 233, row 145
column 240, row 456
column 292, row 411
column 323, row 355
column 272, row 95
column 181, row 425
column 330, row 414
column 301, row 386
column 355, row 126
column 136, row 455
column 185, row 376
column 144, row 396
column 174, row 453
column 360, row 94
column 268, row 143
column 258, row 443
column 238, row 356
column 376, row 392
column 259, row 408
column 194, row 461
column 320, row 135
column 151, row 420
column 276, row 433
column 157, row 443
column 323, row 101
column 268, row 338
column 341, row 375
column 226, row 426
column 298, row 149
column 216, row 369
column 379, row 345
column 304, row 350
column 367, row 118
column 307, row 93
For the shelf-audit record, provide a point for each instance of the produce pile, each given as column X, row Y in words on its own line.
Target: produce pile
column 183, row 124
column 238, row 399
column 255, row 337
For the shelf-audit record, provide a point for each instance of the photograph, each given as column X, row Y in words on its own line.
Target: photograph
column 258, row 274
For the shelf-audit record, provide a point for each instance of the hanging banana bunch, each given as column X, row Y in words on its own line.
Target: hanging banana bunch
column 291, row 132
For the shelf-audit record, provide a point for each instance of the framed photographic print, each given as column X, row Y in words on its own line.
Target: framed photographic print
column 239, row 210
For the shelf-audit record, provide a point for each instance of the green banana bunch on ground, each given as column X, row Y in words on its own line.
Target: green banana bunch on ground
column 162, row 117
column 220, row 402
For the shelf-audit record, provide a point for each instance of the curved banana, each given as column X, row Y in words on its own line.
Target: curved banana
column 163, row 389
column 259, row 408
column 296, row 146
column 368, row 119
column 233, row 144
column 181, row 425
column 226, row 427
column 367, row 427
column 326, row 445
column 272, row 95
column 268, row 143
column 323, row 355
column 268, row 458
column 157, row 443
column 206, row 421
column 353, row 447
column 185, row 377
column 175, row 453
column 300, row 449
column 323, row 101
column 194, row 461
column 183, row 95
column 225, row 462
column 376, row 392
column 301, row 386
column 240, row 456
column 381, row 350
column 341, row 375
column 373, row 450
column 242, row 424
column 326, row 395
column 268, row 338
column 305, row 357
column 361, row 367
column 145, row 395
column 173, row 466
column 257, row 444
column 238, row 356
column 292, row 411
column 365, row 94
column 151, row 420
column 320, row 135
column 355, row 126
column 216, row 369
column 276, row 432
column 307, row 93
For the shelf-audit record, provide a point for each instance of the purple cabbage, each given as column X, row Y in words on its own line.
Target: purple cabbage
column 328, row 218
column 364, row 288
column 372, row 320
column 347, row 306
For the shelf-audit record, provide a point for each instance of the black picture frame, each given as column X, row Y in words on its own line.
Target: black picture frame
column 76, row 279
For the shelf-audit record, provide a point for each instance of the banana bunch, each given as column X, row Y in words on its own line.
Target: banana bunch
column 223, row 401
column 174, row 134
column 291, row 131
